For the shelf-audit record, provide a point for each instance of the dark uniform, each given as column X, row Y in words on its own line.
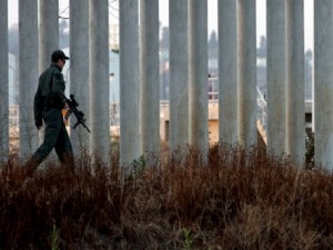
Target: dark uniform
column 49, row 101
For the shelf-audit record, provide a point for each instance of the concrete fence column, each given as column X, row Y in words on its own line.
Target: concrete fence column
column 198, row 74
column 276, row 77
column 28, row 76
column 4, row 99
column 130, row 138
column 295, row 108
column 150, row 99
column 247, row 66
column 79, row 68
column 323, row 86
column 48, row 31
column 99, row 80
column 179, row 90
column 227, row 26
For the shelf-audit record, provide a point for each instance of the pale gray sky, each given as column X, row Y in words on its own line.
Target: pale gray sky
column 212, row 16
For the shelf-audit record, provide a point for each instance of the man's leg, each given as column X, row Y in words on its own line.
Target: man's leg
column 64, row 148
column 53, row 122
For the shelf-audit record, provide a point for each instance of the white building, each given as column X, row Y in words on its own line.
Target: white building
column 12, row 77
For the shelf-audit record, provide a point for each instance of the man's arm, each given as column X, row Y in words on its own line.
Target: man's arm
column 58, row 89
column 38, row 108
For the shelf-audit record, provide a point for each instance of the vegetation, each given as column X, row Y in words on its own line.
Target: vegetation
column 235, row 200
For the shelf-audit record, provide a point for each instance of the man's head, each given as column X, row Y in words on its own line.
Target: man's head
column 58, row 57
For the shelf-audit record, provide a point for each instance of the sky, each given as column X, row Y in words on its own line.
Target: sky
column 212, row 16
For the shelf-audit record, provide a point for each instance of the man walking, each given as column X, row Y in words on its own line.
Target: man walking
column 49, row 101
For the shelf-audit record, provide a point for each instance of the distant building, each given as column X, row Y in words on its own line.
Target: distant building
column 114, row 36
column 261, row 76
column 308, row 66
column 13, row 79
column 114, row 76
column 13, row 94
column 164, row 75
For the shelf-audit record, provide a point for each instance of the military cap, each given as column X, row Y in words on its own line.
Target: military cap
column 58, row 54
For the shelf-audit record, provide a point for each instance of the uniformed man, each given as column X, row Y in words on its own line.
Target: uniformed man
column 49, row 101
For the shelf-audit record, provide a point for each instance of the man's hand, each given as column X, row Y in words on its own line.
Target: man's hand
column 38, row 124
column 66, row 106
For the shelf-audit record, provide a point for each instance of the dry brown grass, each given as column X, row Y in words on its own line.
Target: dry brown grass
column 238, row 200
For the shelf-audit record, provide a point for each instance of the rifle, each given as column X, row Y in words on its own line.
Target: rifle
column 73, row 104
